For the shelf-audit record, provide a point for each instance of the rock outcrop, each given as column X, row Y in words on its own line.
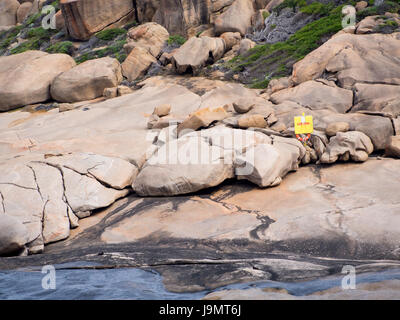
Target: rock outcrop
column 316, row 95
column 352, row 145
column 26, row 78
column 47, row 194
column 13, row 234
column 84, row 18
column 137, row 63
column 175, row 168
column 237, row 18
column 197, row 53
column 150, row 36
column 87, row 81
column 8, row 12
column 354, row 59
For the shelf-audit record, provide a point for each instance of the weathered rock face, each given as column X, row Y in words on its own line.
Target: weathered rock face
column 180, row 166
column 26, row 78
column 352, row 145
column 380, row 99
column 378, row 129
column 13, row 234
column 196, row 53
column 231, row 39
column 178, row 16
column 246, row 45
column 8, row 12
column 46, row 194
column 23, row 11
column 268, row 164
column 354, row 59
column 335, row 127
column 87, row 81
column 183, row 166
column 316, row 95
column 202, row 118
column 393, row 148
column 137, row 63
column 150, row 36
column 83, row 18
column 103, row 128
column 236, row 19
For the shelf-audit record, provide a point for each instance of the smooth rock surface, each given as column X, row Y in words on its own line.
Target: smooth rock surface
column 316, row 95
column 87, row 81
column 196, row 53
column 345, row 145
column 25, row 78
column 13, row 234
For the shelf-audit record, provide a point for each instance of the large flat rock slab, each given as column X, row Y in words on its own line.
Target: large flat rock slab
column 116, row 127
column 348, row 211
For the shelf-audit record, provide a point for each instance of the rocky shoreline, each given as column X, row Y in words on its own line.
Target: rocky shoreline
column 164, row 161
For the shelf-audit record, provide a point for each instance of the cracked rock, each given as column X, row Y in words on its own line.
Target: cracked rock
column 13, row 234
column 345, row 145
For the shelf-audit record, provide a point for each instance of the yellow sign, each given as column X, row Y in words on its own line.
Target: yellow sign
column 303, row 124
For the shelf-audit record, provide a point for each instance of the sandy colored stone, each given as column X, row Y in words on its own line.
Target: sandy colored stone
column 150, row 36
column 13, row 234
column 231, row 39
column 23, row 11
column 335, row 127
column 361, row 5
column 195, row 218
column 255, row 121
column 85, row 17
column 236, row 19
column 345, row 145
column 380, row 99
column 137, row 63
column 162, row 110
column 195, row 53
column 316, row 95
column 8, row 12
column 87, row 81
column 202, row 118
column 268, row 164
column 123, row 90
column 393, row 149
column 110, row 93
column 246, row 45
column 354, row 58
column 25, row 78
column 183, row 166
column 243, row 105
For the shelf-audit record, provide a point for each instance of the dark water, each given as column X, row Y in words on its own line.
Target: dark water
column 137, row 284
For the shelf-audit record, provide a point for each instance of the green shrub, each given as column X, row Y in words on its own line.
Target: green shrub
column 9, row 37
column 317, row 8
column 276, row 59
column 293, row 4
column 32, row 19
column 39, row 33
column 33, row 44
column 116, row 50
column 176, row 40
column 110, row 34
column 61, row 47
column 260, row 84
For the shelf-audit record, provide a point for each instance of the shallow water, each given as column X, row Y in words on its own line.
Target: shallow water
column 137, row 284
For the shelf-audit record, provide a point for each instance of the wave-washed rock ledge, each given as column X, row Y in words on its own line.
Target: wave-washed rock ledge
column 58, row 167
column 311, row 225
